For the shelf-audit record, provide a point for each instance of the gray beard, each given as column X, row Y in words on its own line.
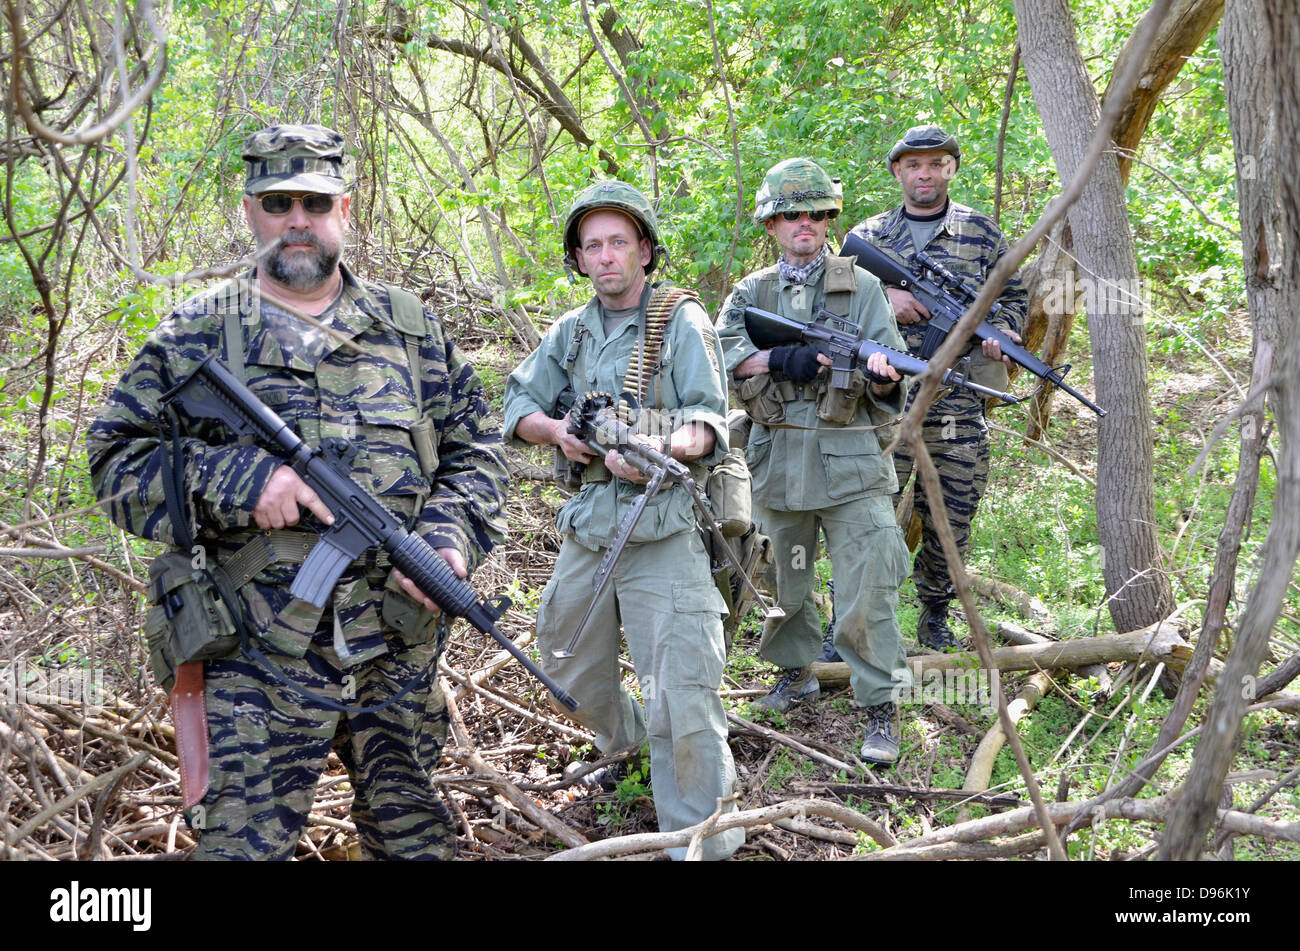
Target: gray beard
column 303, row 272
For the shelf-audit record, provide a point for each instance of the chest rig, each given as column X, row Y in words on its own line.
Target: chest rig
column 643, row 378
column 292, row 547
column 765, row 398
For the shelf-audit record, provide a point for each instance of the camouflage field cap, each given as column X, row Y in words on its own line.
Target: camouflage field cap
column 619, row 196
column 925, row 138
column 797, row 184
column 298, row 158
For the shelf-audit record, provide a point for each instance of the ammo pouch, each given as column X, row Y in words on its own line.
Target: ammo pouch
column 729, row 494
column 187, row 619
column 839, row 405
column 739, row 426
column 422, row 440
column 762, row 398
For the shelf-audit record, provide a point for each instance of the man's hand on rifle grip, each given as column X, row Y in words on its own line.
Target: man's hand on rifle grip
column 907, row 309
column 278, row 505
column 574, row 449
column 621, row 469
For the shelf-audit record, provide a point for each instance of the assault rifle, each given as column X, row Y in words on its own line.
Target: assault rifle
column 828, row 333
column 360, row 520
column 596, row 420
column 946, row 297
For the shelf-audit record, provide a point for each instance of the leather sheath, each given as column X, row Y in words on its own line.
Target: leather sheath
column 190, row 715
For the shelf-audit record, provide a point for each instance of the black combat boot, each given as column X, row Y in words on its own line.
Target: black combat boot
column 880, row 745
column 932, row 629
column 797, row 685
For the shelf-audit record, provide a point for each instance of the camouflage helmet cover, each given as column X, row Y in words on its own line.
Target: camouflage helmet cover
column 925, row 138
column 797, row 184
column 305, row 158
column 617, row 196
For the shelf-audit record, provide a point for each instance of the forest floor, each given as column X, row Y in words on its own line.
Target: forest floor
column 1035, row 532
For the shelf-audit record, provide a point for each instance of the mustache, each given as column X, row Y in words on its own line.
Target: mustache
column 301, row 237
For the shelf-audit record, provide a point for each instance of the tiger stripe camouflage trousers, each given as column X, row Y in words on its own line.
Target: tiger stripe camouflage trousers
column 957, row 438
column 268, row 745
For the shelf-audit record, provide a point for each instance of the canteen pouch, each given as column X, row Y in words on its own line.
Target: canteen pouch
column 729, row 494
column 187, row 619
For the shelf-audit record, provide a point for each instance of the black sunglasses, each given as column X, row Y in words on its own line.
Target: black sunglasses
column 813, row 215
column 279, row 203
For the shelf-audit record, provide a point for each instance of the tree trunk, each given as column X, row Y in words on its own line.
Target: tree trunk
column 1261, row 44
column 1182, row 32
column 1184, row 29
column 1139, row 592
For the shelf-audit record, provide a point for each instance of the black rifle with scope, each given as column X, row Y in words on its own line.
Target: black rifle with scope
column 946, row 297
column 360, row 520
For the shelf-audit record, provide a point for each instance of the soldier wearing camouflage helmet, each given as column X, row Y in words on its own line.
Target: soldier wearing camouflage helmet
column 334, row 356
column 968, row 243
column 657, row 341
column 816, row 463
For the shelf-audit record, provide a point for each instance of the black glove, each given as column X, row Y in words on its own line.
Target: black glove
column 876, row 377
column 797, row 362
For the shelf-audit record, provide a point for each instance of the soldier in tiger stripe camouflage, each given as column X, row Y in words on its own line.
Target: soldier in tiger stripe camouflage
column 969, row 244
column 373, row 366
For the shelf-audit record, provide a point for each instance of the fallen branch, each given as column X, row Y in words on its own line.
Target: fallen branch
column 1029, row 842
column 881, row 790
column 1140, row 810
column 778, row 737
column 1026, row 605
column 468, row 684
column 468, row 756
column 1018, row 635
column 101, row 781
column 1159, row 642
column 951, row 717
column 52, row 552
column 767, row 815
column 980, row 771
column 805, row 828
column 133, row 742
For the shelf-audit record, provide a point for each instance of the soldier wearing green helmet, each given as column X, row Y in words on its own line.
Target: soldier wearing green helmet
column 969, row 244
column 657, row 341
column 616, row 196
column 816, row 464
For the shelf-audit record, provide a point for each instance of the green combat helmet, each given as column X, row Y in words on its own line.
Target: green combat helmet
column 925, row 138
column 619, row 196
column 797, row 184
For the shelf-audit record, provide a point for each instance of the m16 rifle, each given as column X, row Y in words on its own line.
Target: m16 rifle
column 602, row 422
column 946, row 297
column 360, row 520
column 829, row 335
